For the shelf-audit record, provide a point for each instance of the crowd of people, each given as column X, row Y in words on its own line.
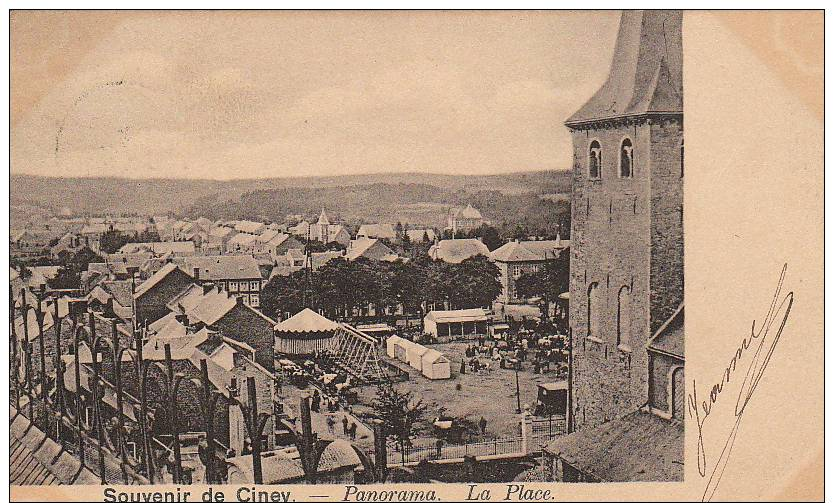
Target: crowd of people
column 512, row 349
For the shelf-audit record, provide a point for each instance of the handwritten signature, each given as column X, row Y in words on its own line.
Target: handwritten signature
column 780, row 308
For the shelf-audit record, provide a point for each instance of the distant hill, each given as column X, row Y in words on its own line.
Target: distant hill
column 420, row 198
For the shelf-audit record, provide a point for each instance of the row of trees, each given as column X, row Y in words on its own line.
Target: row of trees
column 344, row 288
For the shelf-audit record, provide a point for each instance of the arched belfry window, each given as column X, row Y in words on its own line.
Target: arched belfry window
column 593, row 310
column 623, row 316
column 626, row 159
column 681, row 158
column 595, row 161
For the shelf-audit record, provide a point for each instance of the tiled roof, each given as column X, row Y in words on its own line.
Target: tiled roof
column 35, row 459
column 377, row 231
column 639, row 447
column 222, row 267
column 156, row 278
column 518, row 251
column 456, row 251
column 160, row 247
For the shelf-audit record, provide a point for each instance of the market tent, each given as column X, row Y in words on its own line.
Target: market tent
column 435, row 365
column 304, row 333
column 460, row 322
column 415, row 355
column 390, row 345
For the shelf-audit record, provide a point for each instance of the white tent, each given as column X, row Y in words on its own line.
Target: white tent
column 435, row 365
column 461, row 322
column 415, row 355
column 390, row 345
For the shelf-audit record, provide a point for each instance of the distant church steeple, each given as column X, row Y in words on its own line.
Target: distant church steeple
column 323, row 220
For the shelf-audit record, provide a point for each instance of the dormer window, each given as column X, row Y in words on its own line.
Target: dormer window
column 626, row 159
column 595, row 161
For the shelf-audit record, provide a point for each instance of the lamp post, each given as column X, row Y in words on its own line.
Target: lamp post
column 517, row 389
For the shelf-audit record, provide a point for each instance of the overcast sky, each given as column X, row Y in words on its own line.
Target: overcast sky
column 250, row 95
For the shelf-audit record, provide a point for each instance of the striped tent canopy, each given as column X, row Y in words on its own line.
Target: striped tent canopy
column 304, row 333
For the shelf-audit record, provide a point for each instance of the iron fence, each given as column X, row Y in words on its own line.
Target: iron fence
column 119, row 448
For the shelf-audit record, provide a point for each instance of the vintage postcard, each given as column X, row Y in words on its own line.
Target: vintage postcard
column 416, row 255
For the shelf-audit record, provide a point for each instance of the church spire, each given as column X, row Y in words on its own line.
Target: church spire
column 646, row 72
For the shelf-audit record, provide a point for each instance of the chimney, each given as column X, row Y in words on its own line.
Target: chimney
column 197, row 273
column 239, row 300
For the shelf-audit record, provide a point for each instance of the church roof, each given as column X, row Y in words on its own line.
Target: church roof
column 639, row 447
column 323, row 220
column 669, row 337
column 646, row 71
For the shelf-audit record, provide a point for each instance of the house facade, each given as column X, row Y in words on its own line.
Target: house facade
column 517, row 258
column 464, row 219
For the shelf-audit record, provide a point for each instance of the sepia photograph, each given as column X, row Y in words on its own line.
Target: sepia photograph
column 353, row 248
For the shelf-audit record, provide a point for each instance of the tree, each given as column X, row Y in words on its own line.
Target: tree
column 83, row 258
column 398, row 411
column 547, row 283
column 112, row 240
column 66, row 279
column 476, row 283
column 283, row 294
column 489, row 235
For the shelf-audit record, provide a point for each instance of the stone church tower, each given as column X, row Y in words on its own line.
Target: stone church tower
column 626, row 262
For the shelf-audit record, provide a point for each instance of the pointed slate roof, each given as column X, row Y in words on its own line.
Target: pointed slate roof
column 307, row 320
column 646, row 71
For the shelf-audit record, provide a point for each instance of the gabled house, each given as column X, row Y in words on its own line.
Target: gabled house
column 198, row 307
column 523, row 257
column 464, row 219
column 153, row 295
column 377, row 231
column 240, row 275
column 372, row 249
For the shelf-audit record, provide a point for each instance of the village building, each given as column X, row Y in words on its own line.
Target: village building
column 199, row 306
column 239, row 275
column 323, row 230
column 113, row 298
column 218, row 238
column 67, row 245
column 275, row 243
column 377, row 231
column 626, row 271
column 153, row 295
column 160, row 248
column 372, row 249
column 242, row 243
column 463, row 219
column 523, row 257
column 249, row 227
column 460, row 323
column 294, row 260
column 455, row 251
